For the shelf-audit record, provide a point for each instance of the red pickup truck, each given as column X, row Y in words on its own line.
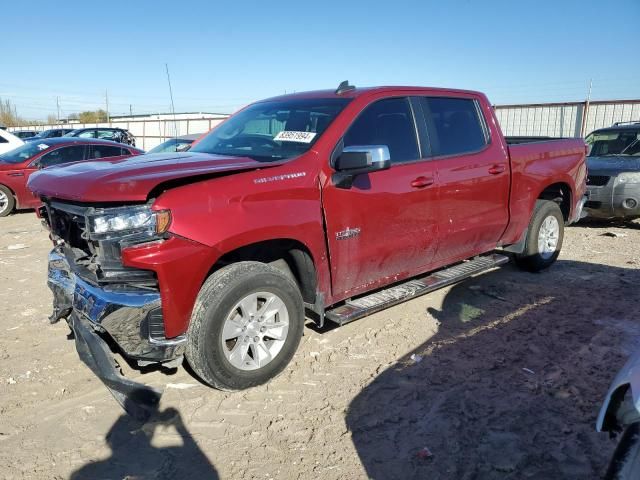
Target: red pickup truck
column 331, row 203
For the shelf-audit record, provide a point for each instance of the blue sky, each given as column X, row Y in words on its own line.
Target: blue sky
column 222, row 55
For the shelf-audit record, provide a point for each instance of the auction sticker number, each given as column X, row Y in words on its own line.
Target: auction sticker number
column 293, row 136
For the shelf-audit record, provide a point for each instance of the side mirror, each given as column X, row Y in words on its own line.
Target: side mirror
column 359, row 159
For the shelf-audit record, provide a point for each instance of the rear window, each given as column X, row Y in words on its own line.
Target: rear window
column 454, row 125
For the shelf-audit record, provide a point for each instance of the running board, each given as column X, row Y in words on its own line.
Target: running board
column 360, row 307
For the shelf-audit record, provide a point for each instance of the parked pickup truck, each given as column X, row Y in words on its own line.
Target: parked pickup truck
column 335, row 203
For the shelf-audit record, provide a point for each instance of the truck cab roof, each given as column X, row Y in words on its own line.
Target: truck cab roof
column 356, row 92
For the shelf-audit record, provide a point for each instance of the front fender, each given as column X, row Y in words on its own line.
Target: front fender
column 628, row 377
column 233, row 211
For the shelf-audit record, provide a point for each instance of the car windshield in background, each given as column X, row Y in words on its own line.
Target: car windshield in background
column 24, row 152
column 621, row 142
column 72, row 133
column 270, row 131
column 173, row 145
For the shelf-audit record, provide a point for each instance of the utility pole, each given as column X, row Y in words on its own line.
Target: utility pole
column 173, row 108
column 585, row 112
column 58, row 108
column 106, row 99
column 130, row 110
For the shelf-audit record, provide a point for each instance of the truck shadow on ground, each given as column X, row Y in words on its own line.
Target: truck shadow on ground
column 134, row 457
column 511, row 384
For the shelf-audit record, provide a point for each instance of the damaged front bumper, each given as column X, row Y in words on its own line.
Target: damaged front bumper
column 128, row 316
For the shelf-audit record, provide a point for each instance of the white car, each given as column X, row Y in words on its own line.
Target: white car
column 8, row 141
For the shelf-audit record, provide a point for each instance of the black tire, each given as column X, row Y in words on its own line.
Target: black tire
column 217, row 297
column 11, row 203
column 625, row 464
column 531, row 259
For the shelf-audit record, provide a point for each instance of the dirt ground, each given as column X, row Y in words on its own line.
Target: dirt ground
column 499, row 377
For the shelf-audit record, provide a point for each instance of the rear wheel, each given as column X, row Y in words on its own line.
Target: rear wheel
column 544, row 237
column 245, row 327
column 7, row 202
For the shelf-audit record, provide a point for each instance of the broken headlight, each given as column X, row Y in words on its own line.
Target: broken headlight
column 121, row 221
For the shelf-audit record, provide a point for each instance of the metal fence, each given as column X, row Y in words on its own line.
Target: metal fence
column 575, row 119
column 148, row 133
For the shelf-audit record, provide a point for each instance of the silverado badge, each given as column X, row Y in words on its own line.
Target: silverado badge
column 347, row 233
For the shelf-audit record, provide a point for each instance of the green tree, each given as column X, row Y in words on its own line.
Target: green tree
column 93, row 116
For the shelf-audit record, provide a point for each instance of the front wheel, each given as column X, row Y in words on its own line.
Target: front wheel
column 544, row 237
column 245, row 327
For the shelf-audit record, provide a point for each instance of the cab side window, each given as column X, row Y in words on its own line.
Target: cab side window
column 102, row 151
column 62, row 155
column 87, row 134
column 454, row 125
column 386, row 122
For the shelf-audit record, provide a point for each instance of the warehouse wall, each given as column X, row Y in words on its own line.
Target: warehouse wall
column 148, row 133
column 564, row 119
column 546, row 119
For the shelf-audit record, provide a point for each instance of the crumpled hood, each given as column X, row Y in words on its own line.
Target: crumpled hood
column 132, row 178
column 612, row 165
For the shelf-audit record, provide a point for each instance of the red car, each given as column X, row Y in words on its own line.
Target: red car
column 17, row 165
column 340, row 203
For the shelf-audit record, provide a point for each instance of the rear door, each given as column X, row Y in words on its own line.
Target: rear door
column 384, row 227
column 473, row 177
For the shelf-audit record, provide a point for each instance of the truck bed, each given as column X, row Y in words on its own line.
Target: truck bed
column 561, row 161
column 518, row 139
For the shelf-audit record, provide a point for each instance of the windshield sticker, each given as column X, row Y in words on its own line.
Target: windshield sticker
column 293, row 136
column 43, row 146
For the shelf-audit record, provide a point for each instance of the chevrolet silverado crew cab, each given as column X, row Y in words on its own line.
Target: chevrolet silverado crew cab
column 332, row 203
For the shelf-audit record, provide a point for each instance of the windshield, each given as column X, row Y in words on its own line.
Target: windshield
column 621, row 142
column 269, row 131
column 173, row 145
column 24, row 152
column 72, row 133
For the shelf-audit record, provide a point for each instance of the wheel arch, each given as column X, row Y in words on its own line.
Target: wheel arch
column 287, row 254
column 560, row 193
column 608, row 419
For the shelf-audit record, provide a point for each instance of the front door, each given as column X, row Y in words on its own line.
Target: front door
column 384, row 227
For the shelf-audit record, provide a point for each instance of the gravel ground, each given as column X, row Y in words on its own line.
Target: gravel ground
column 499, row 377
